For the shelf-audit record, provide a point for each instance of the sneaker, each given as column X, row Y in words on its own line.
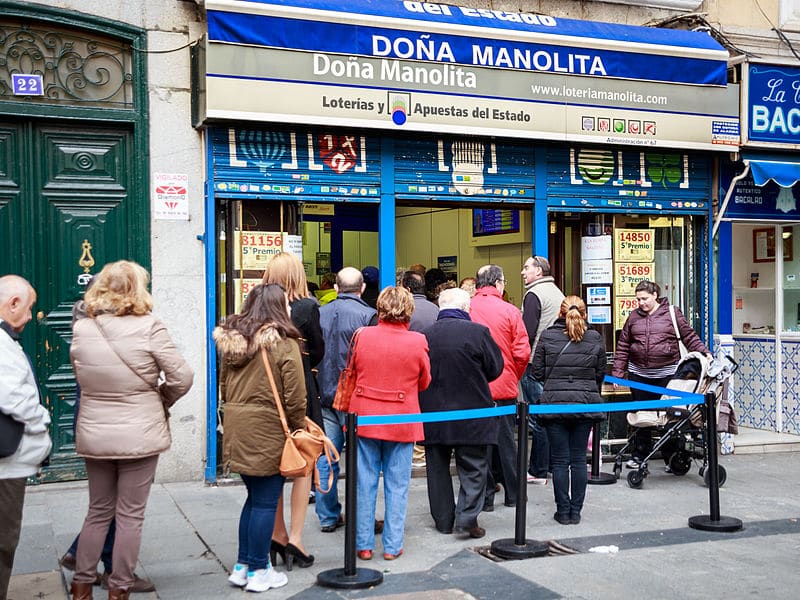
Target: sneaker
column 537, row 480
column 238, row 577
column 632, row 464
column 262, row 580
column 418, row 464
column 667, row 468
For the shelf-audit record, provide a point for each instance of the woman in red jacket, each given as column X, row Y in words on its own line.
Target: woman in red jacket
column 392, row 367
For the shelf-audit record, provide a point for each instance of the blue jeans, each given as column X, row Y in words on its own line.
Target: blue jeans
column 539, row 463
column 568, row 440
column 394, row 459
column 327, row 506
column 258, row 519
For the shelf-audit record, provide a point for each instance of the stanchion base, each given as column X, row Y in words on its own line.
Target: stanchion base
column 602, row 479
column 724, row 524
column 508, row 549
column 337, row 579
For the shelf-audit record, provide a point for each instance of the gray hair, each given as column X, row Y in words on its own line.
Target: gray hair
column 454, row 298
column 488, row 275
column 349, row 280
column 14, row 285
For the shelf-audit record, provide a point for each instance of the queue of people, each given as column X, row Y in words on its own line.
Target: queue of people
column 465, row 348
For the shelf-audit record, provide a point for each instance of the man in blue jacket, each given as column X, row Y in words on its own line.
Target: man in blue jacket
column 339, row 319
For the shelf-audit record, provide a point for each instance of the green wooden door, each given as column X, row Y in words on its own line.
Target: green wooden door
column 67, row 207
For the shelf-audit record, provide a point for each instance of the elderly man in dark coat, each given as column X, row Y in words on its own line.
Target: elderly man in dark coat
column 464, row 359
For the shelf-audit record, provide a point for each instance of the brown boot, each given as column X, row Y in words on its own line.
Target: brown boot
column 81, row 591
column 118, row 594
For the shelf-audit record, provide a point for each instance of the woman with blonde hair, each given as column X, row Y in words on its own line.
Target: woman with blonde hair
column 570, row 360
column 286, row 270
column 392, row 367
column 130, row 373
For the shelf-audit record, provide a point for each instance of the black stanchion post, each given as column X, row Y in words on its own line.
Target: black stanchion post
column 596, row 477
column 713, row 522
column 350, row 577
column 519, row 547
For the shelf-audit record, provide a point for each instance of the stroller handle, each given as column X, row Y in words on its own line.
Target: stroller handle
column 735, row 364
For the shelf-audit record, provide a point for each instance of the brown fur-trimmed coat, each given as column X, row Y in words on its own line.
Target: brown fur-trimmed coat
column 253, row 436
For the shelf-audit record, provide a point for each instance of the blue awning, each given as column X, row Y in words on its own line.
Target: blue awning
column 784, row 173
column 424, row 31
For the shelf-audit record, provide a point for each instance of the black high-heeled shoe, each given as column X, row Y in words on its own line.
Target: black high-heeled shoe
column 277, row 549
column 294, row 554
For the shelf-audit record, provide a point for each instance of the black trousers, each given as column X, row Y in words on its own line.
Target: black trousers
column 503, row 462
column 12, row 497
column 472, row 466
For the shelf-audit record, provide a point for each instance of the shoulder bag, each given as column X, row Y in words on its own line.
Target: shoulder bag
column 155, row 388
column 10, row 435
column 304, row 446
column 681, row 346
column 347, row 379
column 550, row 370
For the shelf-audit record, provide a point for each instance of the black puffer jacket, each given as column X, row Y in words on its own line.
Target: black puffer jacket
column 574, row 376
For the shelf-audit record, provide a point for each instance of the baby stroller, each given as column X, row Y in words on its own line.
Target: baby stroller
column 681, row 428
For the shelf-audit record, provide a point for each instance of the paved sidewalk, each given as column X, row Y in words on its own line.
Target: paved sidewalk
column 190, row 542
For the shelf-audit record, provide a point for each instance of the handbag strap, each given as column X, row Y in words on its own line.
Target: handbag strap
column 352, row 347
column 329, row 450
column 281, row 413
column 675, row 323
column 122, row 358
column 550, row 370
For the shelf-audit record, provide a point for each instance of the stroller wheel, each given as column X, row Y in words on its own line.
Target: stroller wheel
column 722, row 476
column 635, row 479
column 680, row 463
column 617, row 470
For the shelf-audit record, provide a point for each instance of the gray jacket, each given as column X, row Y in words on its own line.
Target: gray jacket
column 19, row 398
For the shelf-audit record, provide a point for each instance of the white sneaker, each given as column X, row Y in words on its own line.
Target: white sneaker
column 632, row 464
column 238, row 575
column 261, row 580
column 537, row 480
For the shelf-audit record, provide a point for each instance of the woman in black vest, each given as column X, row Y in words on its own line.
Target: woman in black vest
column 570, row 360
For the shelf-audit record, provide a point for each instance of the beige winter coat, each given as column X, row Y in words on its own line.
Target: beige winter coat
column 253, row 436
column 122, row 415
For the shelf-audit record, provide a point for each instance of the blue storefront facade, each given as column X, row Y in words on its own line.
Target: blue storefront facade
column 504, row 134
column 757, row 231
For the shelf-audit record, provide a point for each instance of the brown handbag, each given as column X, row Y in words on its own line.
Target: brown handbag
column 303, row 446
column 347, row 379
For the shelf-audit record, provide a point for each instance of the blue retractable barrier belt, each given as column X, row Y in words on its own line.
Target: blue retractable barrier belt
column 674, row 397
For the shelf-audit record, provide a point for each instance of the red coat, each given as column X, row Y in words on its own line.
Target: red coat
column 505, row 322
column 392, row 367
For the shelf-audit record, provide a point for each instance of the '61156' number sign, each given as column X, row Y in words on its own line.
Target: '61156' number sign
column 27, row 85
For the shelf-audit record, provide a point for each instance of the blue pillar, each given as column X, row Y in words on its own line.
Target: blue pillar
column 387, row 235
column 210, row 240
column 539, row 228
column 724, row 292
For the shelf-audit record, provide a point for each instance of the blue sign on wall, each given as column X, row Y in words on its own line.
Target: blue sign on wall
column 773, row 104
column 25, row 84
column 464, row 169
column 311, row 165
column 591, row 178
